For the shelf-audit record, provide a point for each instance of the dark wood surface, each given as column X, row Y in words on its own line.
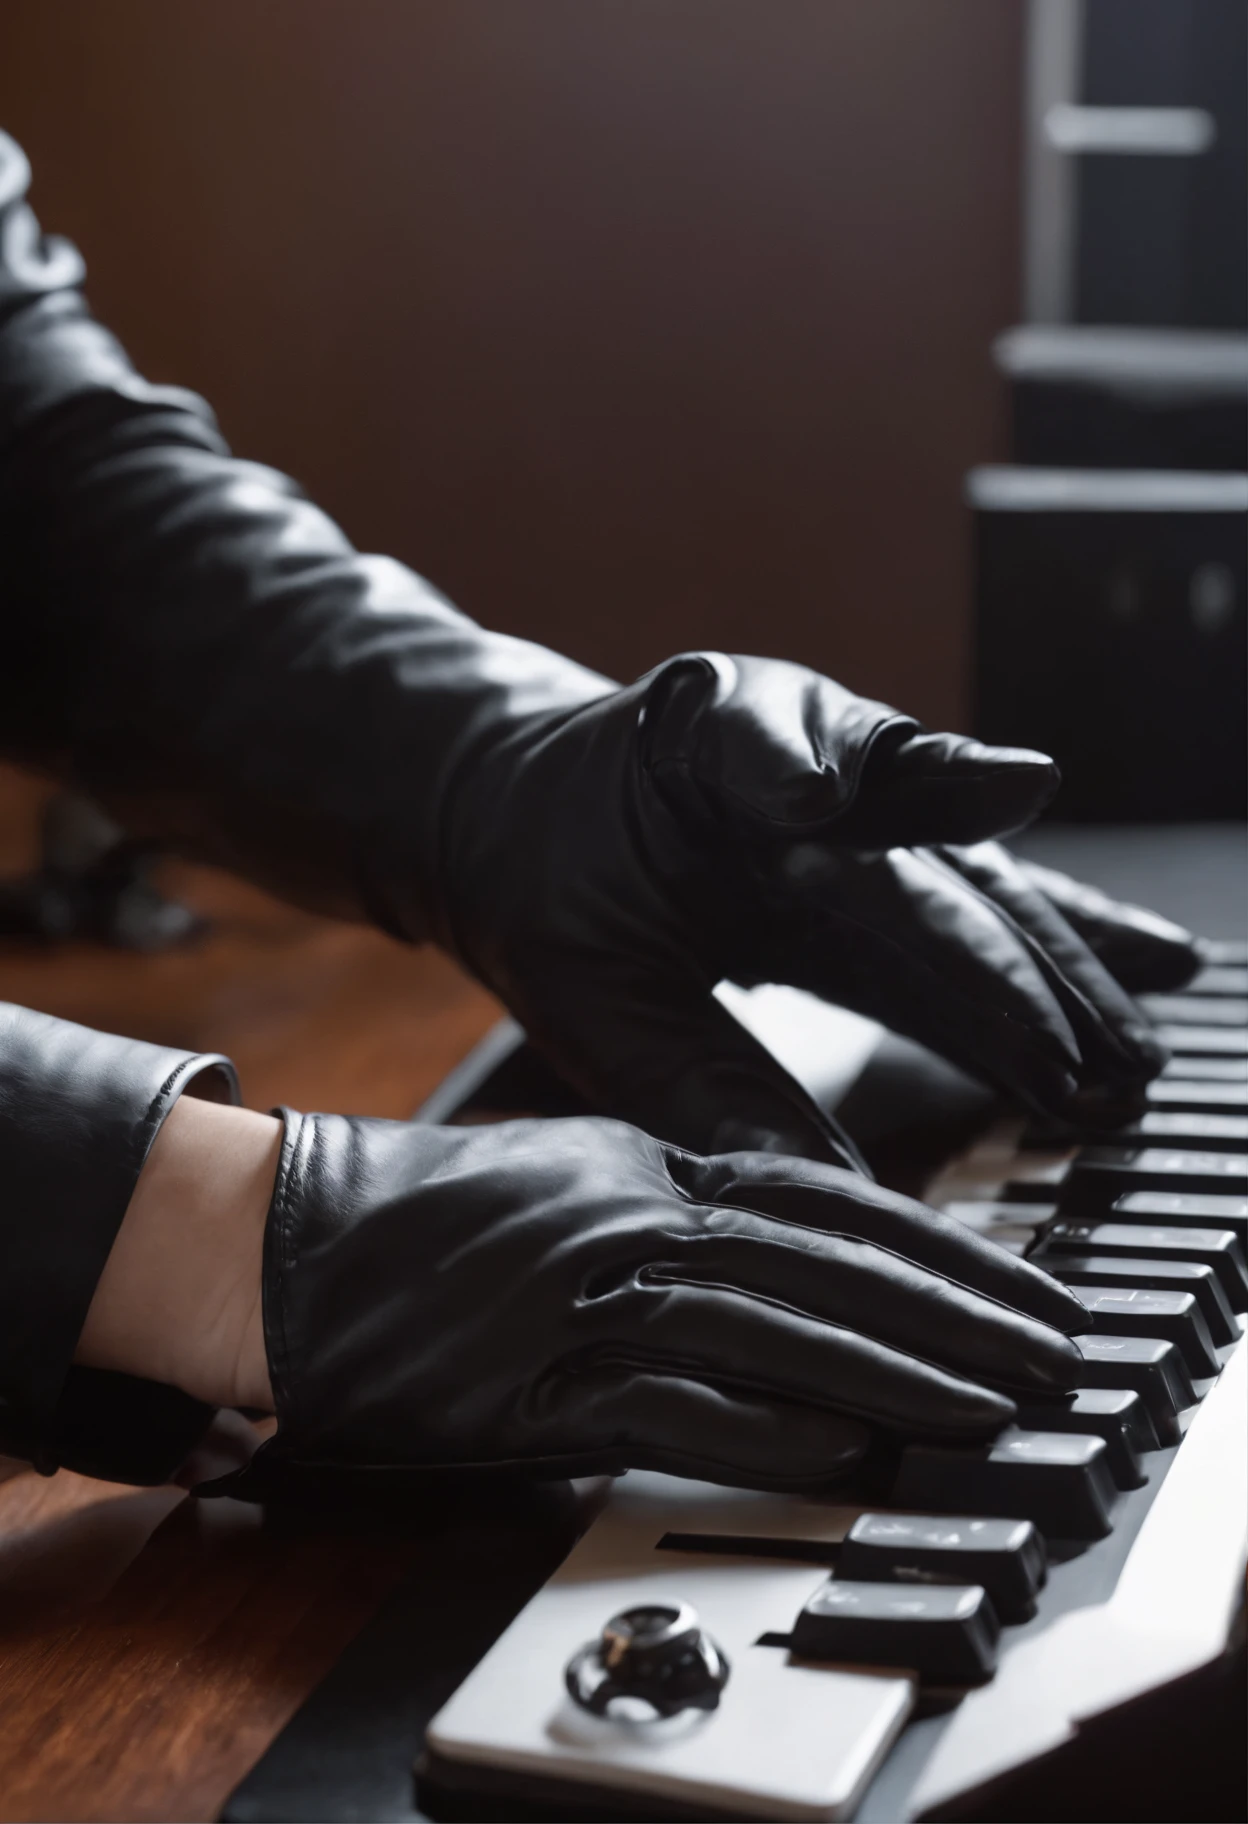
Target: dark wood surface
column 152, row 1646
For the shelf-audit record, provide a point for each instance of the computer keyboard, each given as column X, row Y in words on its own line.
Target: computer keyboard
column 957, row 1613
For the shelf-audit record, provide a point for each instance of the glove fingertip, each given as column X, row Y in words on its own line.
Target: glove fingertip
column 1038, row 1295
column 952, row 789
column 987, row 1414
column 1010, row 786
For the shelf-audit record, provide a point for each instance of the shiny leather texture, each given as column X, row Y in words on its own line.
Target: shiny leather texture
column 568, row 1297
column 193, row 642
column 79, row 1111
column 197, row 645
column 732, row 818
column 1144, row 952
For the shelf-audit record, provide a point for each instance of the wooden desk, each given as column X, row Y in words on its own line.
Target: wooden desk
column 151, row 1646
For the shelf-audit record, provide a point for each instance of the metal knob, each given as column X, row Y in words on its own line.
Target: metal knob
column 657, row 1653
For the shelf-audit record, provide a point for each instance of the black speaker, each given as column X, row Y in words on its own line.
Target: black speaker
column 1110, row 633
column 1088, row 397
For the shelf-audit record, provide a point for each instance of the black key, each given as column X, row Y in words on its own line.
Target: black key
column 1185, row 1212
column 1061, row 1483
column 1205, row 1098
column 1006, row 1556
column 1101, row 1173
column 1135, row 1311
column 1148, row 1365
column 1204, row 1041
column 1114, row 1413
column 1039, row 1194
column 1195, row 1010
column 948, row 1634
column 1216, row 1248
column 1208, row 1070
column 1158, row 1276
column 1219, row 979
column 1186, row 1128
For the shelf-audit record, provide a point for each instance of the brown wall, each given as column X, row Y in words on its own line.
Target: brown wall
column 636, row 324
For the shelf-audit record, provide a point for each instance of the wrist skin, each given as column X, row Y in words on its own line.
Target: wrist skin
column 179, row 1299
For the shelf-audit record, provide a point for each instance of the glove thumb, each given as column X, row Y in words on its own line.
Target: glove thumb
column 917, row 789
column 786, row 752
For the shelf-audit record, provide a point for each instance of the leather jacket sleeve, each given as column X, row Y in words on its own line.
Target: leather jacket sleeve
column 193, row 642
column 189, row 640
column 79, row 1111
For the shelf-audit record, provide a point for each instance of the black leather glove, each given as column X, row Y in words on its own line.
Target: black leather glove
column 567, row 1297
column 731, row 818
column 194, row 644
column 1145, row 953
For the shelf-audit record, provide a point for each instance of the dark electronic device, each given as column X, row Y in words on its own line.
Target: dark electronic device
column 1102, row 396
column 1040, row 1575
column 1110, row 632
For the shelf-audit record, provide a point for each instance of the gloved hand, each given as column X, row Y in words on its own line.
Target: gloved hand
column 569, row 1297
column 604, row 866
column 1145, row 953
column 327, row 724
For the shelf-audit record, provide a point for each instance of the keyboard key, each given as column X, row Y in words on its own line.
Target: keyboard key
column 1006, row 1556
column 1101, row 1173
column 1136, row 1311
column 1114, row 1413
column 1204, row 1041
column 1192, row 1276
column 1229, row 953
column 948, row 1635
column 1208, row 1070
column 1061, row 1483
column 1141, row 1241
column 1195, row 1211
column 1149, row 1366
column 1196, row 1010
column 1216, row 1248
column 1207, row 1098
column 1219, row 979
column 1187, row 1128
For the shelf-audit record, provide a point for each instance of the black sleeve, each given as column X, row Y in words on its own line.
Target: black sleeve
column 79, row 1111
column 189, row 639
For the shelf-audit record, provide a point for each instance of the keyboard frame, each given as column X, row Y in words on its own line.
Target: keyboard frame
column 347, row 1752
column 941, row 1759
column 1118, row 1619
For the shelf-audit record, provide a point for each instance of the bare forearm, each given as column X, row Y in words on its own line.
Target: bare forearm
column 179, row 1298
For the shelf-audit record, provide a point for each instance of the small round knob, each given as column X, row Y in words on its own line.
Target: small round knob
column 656, row 1652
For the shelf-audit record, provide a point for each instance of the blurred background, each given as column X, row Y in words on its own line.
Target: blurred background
column 907, row 341
column 644, row 324
column 635, row 325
